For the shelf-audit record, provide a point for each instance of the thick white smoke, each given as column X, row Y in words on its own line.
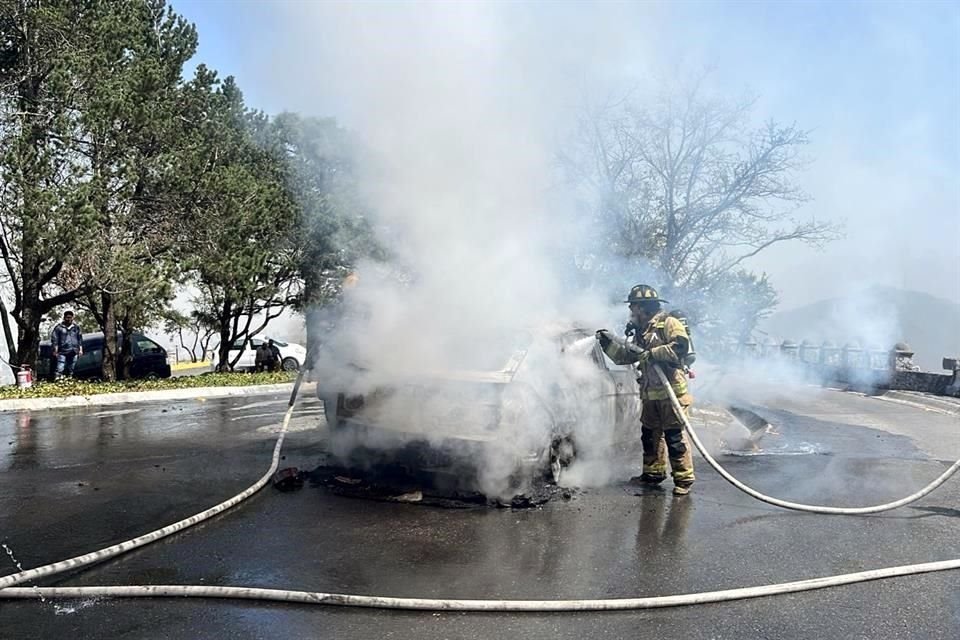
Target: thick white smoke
column 461, row 111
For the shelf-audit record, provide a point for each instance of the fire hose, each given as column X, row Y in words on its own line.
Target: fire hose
column 7, row 589
column 795, row 506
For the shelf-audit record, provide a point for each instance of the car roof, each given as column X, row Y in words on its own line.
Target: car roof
column 95, row 335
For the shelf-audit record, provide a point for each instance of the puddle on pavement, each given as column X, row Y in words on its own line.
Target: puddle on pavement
column 69, row 607
column 784, row 449
column 257, row 405
column 305, row 423
column 276, row 416
column 114, row 412
column 751, row 435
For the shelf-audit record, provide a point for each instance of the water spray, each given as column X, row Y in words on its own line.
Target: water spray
column 8, row 590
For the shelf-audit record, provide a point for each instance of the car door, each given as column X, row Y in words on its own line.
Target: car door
column 627, row 392
column 148, row 357
column 248, row 355
column 589, row 392
column 90, row 364
column 624, row 392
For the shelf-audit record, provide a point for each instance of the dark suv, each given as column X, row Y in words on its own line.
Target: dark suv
column 149, row 358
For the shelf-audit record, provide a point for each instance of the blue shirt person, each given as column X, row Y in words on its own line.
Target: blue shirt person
column 67, row 343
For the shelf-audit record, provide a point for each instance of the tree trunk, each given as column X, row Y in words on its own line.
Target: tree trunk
column 126, row 348
column 183, row 343
column 28, row 343
column 205, row 346
column 193, row 348
column 8, row 338
column 311, row 313
column 30, row 310
column 31, row 315
column 109, row 369
column 223, row 358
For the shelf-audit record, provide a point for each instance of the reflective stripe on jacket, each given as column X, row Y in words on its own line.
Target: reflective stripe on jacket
column 668, row 342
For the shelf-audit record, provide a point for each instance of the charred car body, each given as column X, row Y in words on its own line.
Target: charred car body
column 553, row 398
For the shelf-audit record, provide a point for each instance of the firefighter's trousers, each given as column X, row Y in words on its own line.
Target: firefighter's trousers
column 663, row 437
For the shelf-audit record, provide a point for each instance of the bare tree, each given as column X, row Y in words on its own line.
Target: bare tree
column 194, row 331
column 686, row 185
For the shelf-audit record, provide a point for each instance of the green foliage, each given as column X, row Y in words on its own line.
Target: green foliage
column 82, row 388
column 321, row 178
column 120, row 180
column 44, row 211
column 89, row 94
column 728, row 307
column 246, row 239
column 128, row 129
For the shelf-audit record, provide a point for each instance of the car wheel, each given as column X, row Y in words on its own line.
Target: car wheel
column 330, row 410
column 290, row 364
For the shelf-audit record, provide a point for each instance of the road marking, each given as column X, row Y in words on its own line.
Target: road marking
column 916, row 405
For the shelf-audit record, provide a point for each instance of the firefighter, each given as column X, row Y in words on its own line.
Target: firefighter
column 659, row 339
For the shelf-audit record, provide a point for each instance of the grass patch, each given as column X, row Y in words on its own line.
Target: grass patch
column 89, row 388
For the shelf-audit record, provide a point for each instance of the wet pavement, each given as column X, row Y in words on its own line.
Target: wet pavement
column 73, row 481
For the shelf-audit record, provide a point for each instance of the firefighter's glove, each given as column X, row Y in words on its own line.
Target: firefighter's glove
column 643, row 358
column 604, row 338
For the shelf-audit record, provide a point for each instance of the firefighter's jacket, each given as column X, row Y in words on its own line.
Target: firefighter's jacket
column 668, row 343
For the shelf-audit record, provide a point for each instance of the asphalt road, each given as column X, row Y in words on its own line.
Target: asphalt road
column 75, row 481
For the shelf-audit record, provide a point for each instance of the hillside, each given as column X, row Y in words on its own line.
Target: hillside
column 877, row 316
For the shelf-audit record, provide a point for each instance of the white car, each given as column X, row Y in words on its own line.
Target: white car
column 521, row 418
column 292, row 356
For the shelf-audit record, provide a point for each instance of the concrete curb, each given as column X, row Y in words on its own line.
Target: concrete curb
column 941, row 404
column 104, row 399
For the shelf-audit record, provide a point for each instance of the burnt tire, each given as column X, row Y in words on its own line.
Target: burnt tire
column 563, row 452
column 330, row 410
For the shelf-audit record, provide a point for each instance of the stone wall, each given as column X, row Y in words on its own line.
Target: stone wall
column 868, row 369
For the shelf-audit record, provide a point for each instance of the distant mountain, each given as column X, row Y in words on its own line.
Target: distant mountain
column 878, row 316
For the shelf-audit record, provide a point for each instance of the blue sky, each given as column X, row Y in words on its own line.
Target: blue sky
column 878, row 84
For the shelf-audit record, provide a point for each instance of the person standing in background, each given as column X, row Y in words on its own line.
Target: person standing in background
column 67, row 345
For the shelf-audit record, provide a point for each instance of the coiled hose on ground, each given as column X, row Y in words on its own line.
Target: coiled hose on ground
column 7, row 589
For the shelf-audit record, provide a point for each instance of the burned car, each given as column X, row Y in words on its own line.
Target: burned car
column 537, row 403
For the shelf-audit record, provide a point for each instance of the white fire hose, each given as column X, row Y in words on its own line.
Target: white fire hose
column 8, row 590
column 810, row 508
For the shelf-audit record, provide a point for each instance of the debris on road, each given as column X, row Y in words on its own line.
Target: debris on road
column 389, row 483
column 289, row 479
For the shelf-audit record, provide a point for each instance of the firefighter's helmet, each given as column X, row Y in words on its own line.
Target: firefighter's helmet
column 643, row 293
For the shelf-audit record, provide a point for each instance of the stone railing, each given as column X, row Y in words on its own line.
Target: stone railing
column 870, row 368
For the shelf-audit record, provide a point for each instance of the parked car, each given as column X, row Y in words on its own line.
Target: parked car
column 149, row 358
column 531, row 415
column 292, row 356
